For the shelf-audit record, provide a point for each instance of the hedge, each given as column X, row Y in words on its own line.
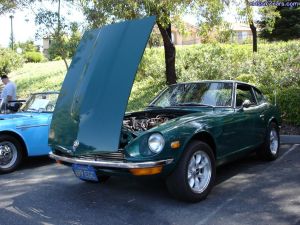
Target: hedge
column 33, row 57
column 276, row 67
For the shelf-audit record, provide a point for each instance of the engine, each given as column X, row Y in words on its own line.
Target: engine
column 141, row 124
column 137, row 122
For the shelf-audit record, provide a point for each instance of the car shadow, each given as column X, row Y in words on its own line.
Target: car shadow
column 35, row 162
column 51, row 194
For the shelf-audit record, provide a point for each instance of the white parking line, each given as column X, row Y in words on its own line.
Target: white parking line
column 221, row 206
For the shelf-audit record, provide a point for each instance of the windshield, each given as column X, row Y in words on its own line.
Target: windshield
column 42, row 102
column 196, row 94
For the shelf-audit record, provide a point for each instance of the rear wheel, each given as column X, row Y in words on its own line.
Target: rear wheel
column 270, row 148
column 194, row 176
column 10, row 153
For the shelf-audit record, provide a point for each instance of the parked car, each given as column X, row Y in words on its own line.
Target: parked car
column 25, row 133
column 7, row 107
column 183, row 135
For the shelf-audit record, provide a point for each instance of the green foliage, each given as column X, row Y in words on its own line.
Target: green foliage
column 248, row 78
column 280, row 23
column 276, row 68
column 33, row 57
column 27, row 46
column 9, row 60
column 74, row 39
column 7, row 6
column 288, row 101
column 58, row 48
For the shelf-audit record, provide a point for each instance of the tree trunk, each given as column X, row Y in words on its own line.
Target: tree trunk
column 170, row 53
column 66, row 63
column 254, row 36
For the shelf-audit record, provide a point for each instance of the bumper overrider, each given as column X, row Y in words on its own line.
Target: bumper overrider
column 135, row 168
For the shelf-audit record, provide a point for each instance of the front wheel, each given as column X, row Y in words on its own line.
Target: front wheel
column 10, row 154
column 194, row 176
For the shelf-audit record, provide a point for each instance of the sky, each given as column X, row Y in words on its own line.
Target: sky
column 24, row 27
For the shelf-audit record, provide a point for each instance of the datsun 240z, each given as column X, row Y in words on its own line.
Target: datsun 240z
column 183, row 135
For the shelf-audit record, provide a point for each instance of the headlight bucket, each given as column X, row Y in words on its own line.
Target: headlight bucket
column 156, row 143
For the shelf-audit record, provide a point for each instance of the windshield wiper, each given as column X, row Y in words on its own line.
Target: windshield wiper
column 154, row 106
column 194, row 104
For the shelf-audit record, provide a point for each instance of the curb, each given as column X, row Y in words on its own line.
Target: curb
column 290, row 139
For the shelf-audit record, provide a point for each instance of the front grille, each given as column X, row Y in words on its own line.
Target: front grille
column 119, row 155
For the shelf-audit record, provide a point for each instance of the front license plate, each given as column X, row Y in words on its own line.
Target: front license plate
column 85, row 172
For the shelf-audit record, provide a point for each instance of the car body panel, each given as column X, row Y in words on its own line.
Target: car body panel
column 30, row 127
column 97, row 103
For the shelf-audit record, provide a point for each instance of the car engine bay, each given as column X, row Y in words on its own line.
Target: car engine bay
column 136, row 123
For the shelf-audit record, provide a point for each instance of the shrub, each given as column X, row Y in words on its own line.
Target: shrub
column 9, row 60
column 33, row 57
column 275, row 67
column 288, row 101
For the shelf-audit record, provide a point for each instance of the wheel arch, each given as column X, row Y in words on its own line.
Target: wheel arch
column 273, row 120
column 19, row 138
column 207, row 138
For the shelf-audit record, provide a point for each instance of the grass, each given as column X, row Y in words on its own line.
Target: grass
column 48, row 76
column 36, row 77
column 275, row 67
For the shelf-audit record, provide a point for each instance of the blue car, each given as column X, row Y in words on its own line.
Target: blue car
column 25, row 133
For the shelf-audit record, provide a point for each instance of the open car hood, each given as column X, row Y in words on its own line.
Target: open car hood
column 92, row 102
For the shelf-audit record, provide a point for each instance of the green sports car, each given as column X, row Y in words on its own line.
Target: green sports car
column 183, row 135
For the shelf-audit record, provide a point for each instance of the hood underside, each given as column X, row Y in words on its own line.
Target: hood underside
column 95, row 92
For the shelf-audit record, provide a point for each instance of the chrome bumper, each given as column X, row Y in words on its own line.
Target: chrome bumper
column 111, row 164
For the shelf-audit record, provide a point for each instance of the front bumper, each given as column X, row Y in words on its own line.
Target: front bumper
column 110, row 163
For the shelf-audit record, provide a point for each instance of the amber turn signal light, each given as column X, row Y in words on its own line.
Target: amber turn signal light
column 175, row 144
column 58, row 162
column 146, row 171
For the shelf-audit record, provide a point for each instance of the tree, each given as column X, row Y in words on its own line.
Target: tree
column 74, row 39
column 47, row 22
column 8, row 6
column 280, row 22
column 52, row 25
column 168, row 12
column 249, row 15
column 245, row 12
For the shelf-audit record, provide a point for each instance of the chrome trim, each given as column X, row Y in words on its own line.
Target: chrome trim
column 111, row 164
column 30, row 126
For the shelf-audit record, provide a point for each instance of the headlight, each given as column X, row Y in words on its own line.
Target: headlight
column 156, row 142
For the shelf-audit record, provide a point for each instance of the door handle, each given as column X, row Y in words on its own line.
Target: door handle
column 262, row 116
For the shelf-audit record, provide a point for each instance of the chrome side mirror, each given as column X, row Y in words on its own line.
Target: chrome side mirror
column 246, row 104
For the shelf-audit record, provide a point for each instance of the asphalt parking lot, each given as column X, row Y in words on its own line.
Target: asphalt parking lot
column 248, row 191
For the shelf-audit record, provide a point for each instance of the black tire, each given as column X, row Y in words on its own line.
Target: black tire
column 11, row 154
column 101, row 179
column 267, row 151
column 178, row 182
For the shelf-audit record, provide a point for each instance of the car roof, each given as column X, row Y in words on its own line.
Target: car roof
column 221, row 81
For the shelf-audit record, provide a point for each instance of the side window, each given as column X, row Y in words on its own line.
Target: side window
column 259, row 96
column 244, row 92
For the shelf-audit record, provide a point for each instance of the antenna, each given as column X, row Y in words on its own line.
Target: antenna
column 275, row 95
